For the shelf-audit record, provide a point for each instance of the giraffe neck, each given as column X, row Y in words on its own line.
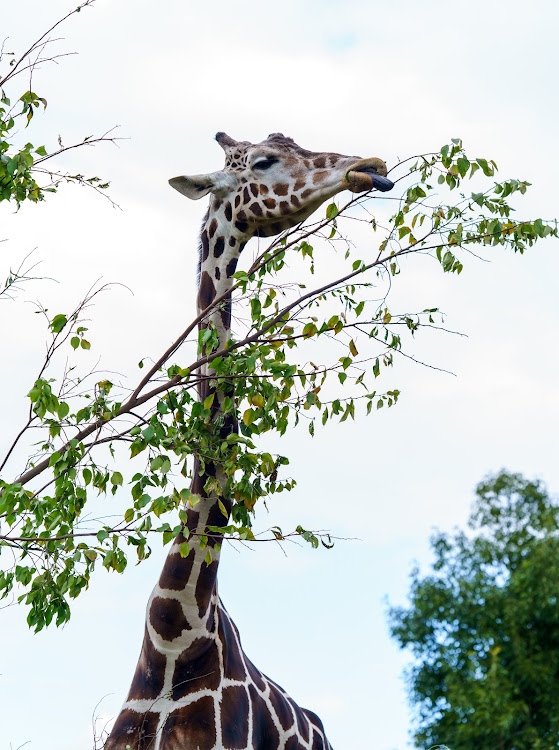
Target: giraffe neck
column 221, row 243
column 182, row 605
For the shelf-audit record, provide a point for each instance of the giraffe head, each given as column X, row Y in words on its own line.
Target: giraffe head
column 273, row 185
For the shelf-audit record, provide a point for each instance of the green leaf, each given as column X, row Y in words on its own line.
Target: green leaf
column 149, row 432
column 58, row 323
column 63, row 410
column 487, row 170
column 332, row 211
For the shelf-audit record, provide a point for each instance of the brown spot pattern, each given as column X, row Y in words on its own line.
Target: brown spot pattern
column 264, row 732
column 205, row 246
column 234, row 717
column 263, row 190
column 269, row 202
column 205, row 585
column 215, row 516
column 197, row 668
column 225, row 313
column 176, row 571
column 282, row 708
column 206, row 292
column 191, row 726
column 285, row 208
column 317, row 741
column 212, row 228
column 231, row 266
column 302, row 724
column 255, row 675
column 293, row 744
column 256, row 209
column 280, row 188
column 150, row 672
column 219, row 247
column 319, row 177
column 228, row 211
column 138, row 730
column 233, row 665
column 167, row 618
column 314, row 719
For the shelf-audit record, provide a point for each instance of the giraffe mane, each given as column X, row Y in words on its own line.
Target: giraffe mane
column 199, row 264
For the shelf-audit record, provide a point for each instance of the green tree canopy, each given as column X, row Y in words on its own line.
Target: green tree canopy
column 483, row 626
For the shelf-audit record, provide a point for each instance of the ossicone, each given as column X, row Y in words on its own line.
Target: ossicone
column 225, row 141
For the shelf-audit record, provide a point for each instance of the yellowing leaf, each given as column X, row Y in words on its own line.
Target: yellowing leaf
column 249, row 417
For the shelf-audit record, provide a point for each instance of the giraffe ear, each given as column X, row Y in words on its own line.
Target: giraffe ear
column 194, row 187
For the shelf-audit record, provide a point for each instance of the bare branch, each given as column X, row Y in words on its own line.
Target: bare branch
column 16, row 66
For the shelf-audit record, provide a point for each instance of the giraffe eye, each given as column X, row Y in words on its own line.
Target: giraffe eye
column 264, row 164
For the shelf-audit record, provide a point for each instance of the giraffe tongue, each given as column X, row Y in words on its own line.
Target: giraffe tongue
column 380, row 183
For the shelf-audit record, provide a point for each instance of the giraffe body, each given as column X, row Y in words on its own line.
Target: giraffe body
column 194, row 688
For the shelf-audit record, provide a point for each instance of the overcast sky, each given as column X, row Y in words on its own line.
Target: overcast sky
column 370, row 78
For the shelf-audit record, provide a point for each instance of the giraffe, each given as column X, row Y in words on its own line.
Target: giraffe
column 194, row 688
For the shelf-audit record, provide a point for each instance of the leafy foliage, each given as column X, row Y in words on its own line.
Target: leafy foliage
column 19, row 163
column 276, row 385
column 483, row 626
column 306, row 355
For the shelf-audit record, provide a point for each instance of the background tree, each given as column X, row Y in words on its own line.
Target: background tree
column 483, row 626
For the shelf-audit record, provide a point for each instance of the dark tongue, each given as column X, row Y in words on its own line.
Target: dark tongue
column 380, row 183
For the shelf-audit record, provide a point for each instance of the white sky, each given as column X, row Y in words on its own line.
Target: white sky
column 370, row 78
